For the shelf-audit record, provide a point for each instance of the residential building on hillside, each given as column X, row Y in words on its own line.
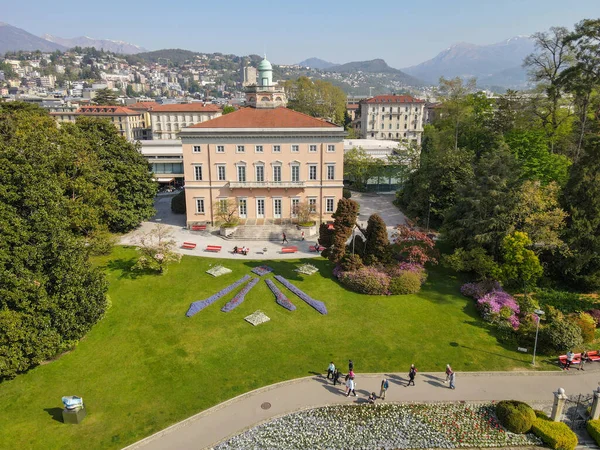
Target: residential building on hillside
column 267, row 158
column 168, row 119
column 132, row 125
column 397, row 117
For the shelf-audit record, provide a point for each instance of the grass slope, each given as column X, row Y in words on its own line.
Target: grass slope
column 146, row 365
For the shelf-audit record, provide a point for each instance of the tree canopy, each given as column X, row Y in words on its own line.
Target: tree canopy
column 316, row 98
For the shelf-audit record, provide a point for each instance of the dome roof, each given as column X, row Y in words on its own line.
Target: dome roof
column 265, row 65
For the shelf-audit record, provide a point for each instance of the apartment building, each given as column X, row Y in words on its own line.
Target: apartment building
column 167, row 120
column 132, row 125
column 396, row 117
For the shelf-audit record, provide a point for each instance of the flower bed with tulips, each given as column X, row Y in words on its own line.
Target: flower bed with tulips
column 240, row 296
column 261, row 270
column 318, row 305
column 280, row 297
column 383, row 426
column 199, row 305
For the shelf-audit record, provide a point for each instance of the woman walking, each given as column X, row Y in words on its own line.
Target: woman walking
column 350, row 385
column 448, row 372
column 452, row 378
column 411, row 375
column 384, row 388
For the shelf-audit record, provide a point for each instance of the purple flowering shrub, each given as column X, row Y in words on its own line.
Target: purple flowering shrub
column 367, row 280
column 199, row 305
column 479, row 289
column 318, row 305
column 261, row 270
column 240, row 296
column 499, row 305
column 280, row 297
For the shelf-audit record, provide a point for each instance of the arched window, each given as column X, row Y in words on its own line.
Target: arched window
column 278, row 99
column 265, row 99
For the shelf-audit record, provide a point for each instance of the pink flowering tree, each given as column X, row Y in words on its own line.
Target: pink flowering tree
column 414, row 246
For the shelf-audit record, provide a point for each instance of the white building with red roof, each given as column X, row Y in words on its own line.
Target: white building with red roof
column 395, row 117
column 268, row 158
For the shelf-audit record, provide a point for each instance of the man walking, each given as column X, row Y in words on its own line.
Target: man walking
column 350, row 365
column 302, row 235
column 384, row 388
column 330, row 370
column 448, row 372
column 284, row 238
column 411, row 375
column 452, row 378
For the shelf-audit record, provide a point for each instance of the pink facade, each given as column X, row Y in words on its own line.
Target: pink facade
column 266, row 170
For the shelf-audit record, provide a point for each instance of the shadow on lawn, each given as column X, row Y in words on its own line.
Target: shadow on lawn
column 125, row 266
column 286, row 268
column 55, row 413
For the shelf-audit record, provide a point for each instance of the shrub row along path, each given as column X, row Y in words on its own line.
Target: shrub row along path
column 233, row 416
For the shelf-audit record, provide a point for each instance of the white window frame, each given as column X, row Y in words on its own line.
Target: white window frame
column 312, row 148
column 277, row 149
column 199, row 202
column 330, row 148
column 295, row 166
column 240, row 149
column 312, row 204
column 327, row 209
column 237, row 173
column 316, row 170
column 220, row 149
column 198, row 172
column 259, row 149
column 240, row 200
column 280, row 174
column 294, row 204
column 196, row 149
column 256, row 167
column 280, row 200
column 295, row 148
column 332, row 176
column 224, row 167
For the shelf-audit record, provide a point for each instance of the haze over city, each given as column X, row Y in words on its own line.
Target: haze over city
column 402, row 33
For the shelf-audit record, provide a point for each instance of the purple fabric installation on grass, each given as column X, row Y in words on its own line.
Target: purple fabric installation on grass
column 261, row 270
column 239, row 297
column 199, row 305
column 318, row 305
column 280, row 297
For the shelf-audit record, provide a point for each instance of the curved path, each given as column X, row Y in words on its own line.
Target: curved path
column 233, row 416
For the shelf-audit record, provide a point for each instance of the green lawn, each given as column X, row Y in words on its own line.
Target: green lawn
column 146, row 365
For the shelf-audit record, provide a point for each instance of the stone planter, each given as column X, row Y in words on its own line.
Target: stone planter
column 227, row 231
column 308, row 231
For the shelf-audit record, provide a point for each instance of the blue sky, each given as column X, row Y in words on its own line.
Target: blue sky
column 400, row 31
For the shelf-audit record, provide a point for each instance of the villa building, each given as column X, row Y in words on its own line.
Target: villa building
column 266, row 157
column 396, row 117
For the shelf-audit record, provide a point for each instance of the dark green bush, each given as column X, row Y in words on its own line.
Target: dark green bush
column 178, row 203
column 560, row 335
column 556, row 435
column 346, row 193
column 350, row 262
column 405, row 283
column 567, row 302
column 515, row 416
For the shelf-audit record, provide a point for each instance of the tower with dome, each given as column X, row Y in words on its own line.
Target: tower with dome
column 265, row 94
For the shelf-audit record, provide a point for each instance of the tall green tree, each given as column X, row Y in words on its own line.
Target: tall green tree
column 359, row 167
column 581, row 201
column 377, row 245
column 455, row 104
column 344, row 222
column 316, row 98
column 105, row 97
column 521, row 265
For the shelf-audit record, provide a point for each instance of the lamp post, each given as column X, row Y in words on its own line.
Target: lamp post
column 538, row 313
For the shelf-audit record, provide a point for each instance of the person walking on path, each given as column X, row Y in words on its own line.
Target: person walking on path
column 570, row 356
column 336, row 376
column 452, row 378
column 284, row 240
column 584, row 359
column 411, row 375
column 350, row 365
column 384, row 388
column 302, row 235
column 448, row 372
column 330, row 370
column 351, row 374
column 350, row 386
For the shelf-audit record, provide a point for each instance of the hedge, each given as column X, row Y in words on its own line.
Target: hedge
column 556, row 435
column 593, row 427
column 515, row 416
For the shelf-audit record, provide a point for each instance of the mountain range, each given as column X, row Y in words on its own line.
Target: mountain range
column 109, row 45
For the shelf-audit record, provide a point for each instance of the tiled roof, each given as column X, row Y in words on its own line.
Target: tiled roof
column 394, row 99
column 265, row 118
column 107, row 111
column 143, row 106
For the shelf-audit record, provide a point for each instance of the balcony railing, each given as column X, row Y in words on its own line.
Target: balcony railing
column 265, row 184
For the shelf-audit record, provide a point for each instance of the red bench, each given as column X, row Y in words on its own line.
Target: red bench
column 562, row 359
column 316, row 248
column 198, row 227
column 213, row 248
column 189, row 245
column 239, row 250
column 594, row 355
column 289, row 249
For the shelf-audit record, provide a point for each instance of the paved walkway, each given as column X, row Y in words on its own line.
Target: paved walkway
column 229, row 418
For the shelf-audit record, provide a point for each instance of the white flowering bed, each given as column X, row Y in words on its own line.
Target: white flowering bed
column 307, row 269
column 257, row 317
column 217, row 271
column 382, row 426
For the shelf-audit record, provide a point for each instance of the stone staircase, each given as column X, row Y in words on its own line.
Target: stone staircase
column 265, row 233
